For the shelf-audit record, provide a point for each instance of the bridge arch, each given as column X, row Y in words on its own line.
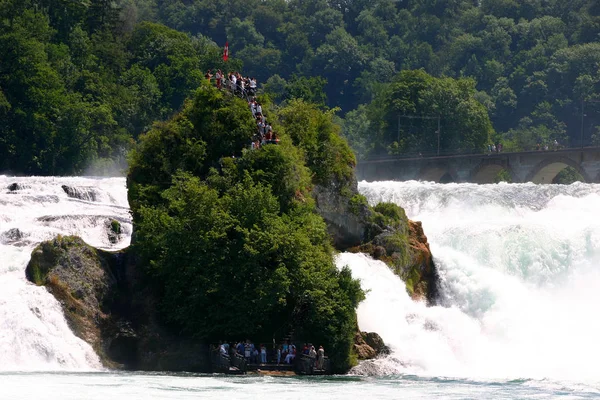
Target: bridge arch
column 547, row 169
column 437, row 174
column 486, row 173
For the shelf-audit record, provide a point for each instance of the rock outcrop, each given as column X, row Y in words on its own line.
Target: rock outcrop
column 382, row 231
column 369, row 345
column 106, row 304
column 346, row 224
column 87, row 193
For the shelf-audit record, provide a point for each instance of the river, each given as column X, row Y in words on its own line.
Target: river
column 517, row 318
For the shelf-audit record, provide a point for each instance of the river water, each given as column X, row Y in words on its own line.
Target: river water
column 517, row 318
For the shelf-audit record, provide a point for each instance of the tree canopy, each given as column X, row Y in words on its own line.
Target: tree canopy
column 229, row 236
column 79, row 81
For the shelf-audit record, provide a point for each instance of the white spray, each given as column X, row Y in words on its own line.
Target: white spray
column 34, row 334
column 520, row 282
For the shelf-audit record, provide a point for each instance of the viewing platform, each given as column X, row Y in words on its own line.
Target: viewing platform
column 237, row 365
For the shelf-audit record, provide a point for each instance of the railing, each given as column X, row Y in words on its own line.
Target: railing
column 466, row 153
column 306, row 365
column 244, row 93
column 238, row 361
column 220, row 362
column 224, row 363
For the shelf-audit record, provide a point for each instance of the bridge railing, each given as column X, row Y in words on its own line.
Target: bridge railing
column 423, row 154
column 454, row 153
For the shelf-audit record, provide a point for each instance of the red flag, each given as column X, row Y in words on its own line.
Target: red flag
column 226, row 52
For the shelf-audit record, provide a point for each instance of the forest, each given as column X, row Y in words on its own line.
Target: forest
column 80, row 80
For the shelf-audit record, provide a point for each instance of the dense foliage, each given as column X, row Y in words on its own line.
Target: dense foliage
column 78, row 83
column 534, row 62
column 417, row 113
column 234, row 246
column 79, row 80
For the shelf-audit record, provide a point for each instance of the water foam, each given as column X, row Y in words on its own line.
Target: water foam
column 520, row 283
column 34, row 334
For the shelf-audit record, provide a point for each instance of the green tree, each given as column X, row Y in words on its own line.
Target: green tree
column 244, row 233
column 414, row 102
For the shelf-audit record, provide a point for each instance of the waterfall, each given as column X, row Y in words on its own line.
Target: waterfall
column 519, row 277
column 34, row 334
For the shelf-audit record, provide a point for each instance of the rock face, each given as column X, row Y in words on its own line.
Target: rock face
column 13, row 236
column 407, row 253
column 346, row 225
column 384, row 232
column 369, row 345
column 106, row 305
column 82, row 193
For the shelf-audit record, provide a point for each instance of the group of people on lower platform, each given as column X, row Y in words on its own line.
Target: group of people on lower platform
column 282, row 353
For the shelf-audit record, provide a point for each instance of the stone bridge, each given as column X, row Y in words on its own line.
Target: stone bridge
column 527, row 166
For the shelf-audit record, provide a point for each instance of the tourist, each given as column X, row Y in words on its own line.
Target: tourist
column 312, row 352
column 233, row 82
column 208, row 75
column 291, row 355
column 263, row 354
column 320, row 357
column 278, row 354
column 218, row 78
column 254, row 355
column 248, row 351
column 285, row 349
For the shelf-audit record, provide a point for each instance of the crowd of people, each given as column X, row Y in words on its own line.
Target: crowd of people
column 265, row 133
column 495, row 148
column 279, row 354
column 245, row 87
column 238, row 84
column 545, row 147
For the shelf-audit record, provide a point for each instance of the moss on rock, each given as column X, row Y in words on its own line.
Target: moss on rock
column 82, row 279
column 107, row 305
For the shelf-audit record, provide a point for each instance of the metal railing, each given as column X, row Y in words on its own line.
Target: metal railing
column 454, row 153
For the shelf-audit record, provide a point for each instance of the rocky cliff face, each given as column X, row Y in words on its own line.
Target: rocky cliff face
column 383, row 231
column 347, row 225
column 107, row 305
column 369, row 345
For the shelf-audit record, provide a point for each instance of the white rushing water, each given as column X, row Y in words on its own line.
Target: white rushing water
column 517, row 317
column 34, row 334
column 519, row 266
